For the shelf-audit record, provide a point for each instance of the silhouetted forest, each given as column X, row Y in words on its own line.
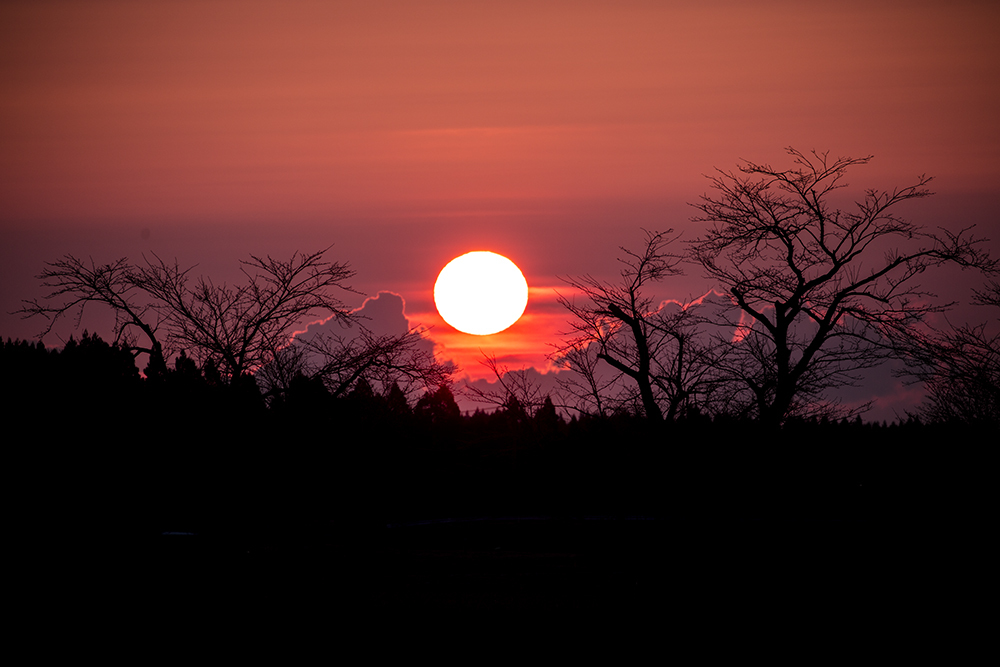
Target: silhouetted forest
column 184, row 451
column 416, row 506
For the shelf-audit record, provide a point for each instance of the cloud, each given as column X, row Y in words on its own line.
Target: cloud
column 375, row 340
column 383, row 315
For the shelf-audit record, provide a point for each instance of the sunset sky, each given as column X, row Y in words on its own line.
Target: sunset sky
column 407, row 133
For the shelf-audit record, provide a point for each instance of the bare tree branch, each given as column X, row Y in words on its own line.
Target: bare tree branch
column 340, row 361
column 240, row 328
column 960, row 367
column 619, row 324
column 74, row 284
column 514, row 388
column 826, row 290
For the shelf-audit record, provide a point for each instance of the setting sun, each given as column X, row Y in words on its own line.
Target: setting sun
column 481, row 293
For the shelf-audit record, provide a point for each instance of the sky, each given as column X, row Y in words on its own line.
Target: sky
column 406, row 134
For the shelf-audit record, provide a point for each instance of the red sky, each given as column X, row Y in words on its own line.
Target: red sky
column 408, row 133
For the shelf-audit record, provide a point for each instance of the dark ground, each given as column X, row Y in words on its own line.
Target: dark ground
column 603, row 566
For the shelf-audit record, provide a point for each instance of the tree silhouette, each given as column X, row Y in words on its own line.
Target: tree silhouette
column 591, row 392
column 236, row 328
column 546, row 420
column 512, row 388
column 239, row 328
column 231, row 341
column 960, row 368
column 438, row 407
column 404, row 360
column 657, row 348
column 820, row 293
column 231, row 331
column 397, row 403
column 74, row 284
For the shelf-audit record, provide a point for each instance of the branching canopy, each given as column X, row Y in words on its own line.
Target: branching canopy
column 619, row 324
column 960, row 367
column 74, row 284
column 242, row 329
column 239, row 328
column 820, row 292
column 383, row 361
column 514, row 388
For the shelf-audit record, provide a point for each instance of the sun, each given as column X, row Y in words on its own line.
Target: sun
column 481, row 293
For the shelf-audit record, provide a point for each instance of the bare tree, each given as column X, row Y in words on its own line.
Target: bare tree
column 74, row 284
column 513, row 388
column 287, row 365
column 383, row 361
column 593, row 391
column 243, row 329
column 656, row 347
column 960, row 368
column 239, row 328
column 820, row 293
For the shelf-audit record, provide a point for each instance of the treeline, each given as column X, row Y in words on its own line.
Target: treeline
column 115, row 453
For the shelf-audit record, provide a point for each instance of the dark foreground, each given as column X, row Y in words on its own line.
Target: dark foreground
column 608, row 568
column 852, row 533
